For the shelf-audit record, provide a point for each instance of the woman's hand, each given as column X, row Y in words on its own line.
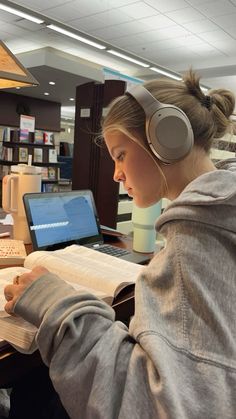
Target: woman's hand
column 20, row 283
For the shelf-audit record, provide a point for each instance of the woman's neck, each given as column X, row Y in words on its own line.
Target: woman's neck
column 180, row 174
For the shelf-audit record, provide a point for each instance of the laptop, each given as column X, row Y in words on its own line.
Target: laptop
column 59, row 219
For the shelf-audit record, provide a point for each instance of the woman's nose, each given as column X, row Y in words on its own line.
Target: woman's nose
column 118, row 175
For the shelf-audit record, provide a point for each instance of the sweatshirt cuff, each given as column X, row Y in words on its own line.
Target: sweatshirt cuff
column 40, row 296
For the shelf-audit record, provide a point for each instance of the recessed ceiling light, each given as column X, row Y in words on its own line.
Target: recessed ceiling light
column 18, row 87
column 52, row 83
column 71, row 98
column 46, row 94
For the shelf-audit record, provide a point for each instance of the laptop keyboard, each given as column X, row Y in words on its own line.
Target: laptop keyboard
column 112, row 250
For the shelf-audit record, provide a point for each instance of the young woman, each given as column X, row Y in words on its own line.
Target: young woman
column 178, row 358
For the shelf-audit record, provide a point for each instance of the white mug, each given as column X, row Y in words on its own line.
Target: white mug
column 22, row 179
column 144, row 233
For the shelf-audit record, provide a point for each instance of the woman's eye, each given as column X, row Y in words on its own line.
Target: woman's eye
column 120, row 156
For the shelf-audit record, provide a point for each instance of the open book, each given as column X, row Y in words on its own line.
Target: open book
column 101, row 274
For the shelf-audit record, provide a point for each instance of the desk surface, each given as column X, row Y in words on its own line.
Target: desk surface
column 14, row 364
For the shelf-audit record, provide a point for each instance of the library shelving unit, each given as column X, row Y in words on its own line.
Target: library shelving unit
column 15, row 152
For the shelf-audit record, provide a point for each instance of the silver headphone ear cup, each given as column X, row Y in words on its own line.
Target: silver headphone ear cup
column 168, row 130
column 169, row 134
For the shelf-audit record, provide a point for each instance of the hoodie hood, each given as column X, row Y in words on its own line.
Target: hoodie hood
column 209, row 199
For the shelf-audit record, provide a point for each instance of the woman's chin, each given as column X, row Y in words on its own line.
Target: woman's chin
column 141, row 203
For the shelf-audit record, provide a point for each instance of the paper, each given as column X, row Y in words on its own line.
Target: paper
column 8, row 220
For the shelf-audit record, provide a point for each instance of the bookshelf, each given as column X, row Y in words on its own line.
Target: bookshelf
column 15, row 150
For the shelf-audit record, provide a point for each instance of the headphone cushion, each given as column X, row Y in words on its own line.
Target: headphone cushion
column 169, row 134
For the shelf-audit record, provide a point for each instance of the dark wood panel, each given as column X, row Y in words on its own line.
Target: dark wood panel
column 92, row 166
column 47, row 114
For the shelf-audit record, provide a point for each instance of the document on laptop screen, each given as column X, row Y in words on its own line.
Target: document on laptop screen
column 56, row 219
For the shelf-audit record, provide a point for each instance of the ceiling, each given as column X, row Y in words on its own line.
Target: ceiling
column 174, row 34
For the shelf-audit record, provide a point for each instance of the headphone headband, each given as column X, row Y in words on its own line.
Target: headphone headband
column 168, row 130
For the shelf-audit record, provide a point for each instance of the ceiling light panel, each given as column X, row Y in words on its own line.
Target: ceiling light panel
column 75, row 36
column 126, row 57
column 166, row 73
column 20, row 14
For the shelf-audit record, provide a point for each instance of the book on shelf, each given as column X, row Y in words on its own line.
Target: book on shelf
column 23, row 154
column 48, row 138
column 103, row 275
column 7, row 134
column 52, row 173
column 49, row 187
column 38, row 155
column 24, row 136
column 38, row 137
column 52, row 155
column 7, row 153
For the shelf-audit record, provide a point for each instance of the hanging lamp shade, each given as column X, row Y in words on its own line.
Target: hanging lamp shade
column 12, row 72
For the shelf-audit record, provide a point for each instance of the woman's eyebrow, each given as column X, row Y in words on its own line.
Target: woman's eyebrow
column 113, row 149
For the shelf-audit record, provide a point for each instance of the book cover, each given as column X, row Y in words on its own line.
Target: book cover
column 52, row 155
column 6, row 134
column 52, row 173
column 38, row 155
column 103, row 275
column 48, row 187
column 24, row 136
column 48, row 138
column 38, row 137
column 23, row 154
column 6, row 153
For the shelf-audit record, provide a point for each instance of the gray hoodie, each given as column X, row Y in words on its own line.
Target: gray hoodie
column 178, row 358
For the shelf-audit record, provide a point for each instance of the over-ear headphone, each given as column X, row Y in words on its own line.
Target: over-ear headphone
column 168, row 130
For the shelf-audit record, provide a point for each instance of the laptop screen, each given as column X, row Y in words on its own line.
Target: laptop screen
column 58, row 219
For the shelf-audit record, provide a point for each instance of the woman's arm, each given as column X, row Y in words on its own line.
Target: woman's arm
column 92, row 359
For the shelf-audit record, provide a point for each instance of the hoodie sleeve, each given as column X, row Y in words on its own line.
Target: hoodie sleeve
column 88, row 353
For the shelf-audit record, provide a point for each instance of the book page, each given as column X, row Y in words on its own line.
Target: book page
column 6, row 278
column 7, row 275
column 19, row 332
column 15, row 330
column 87, row 267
